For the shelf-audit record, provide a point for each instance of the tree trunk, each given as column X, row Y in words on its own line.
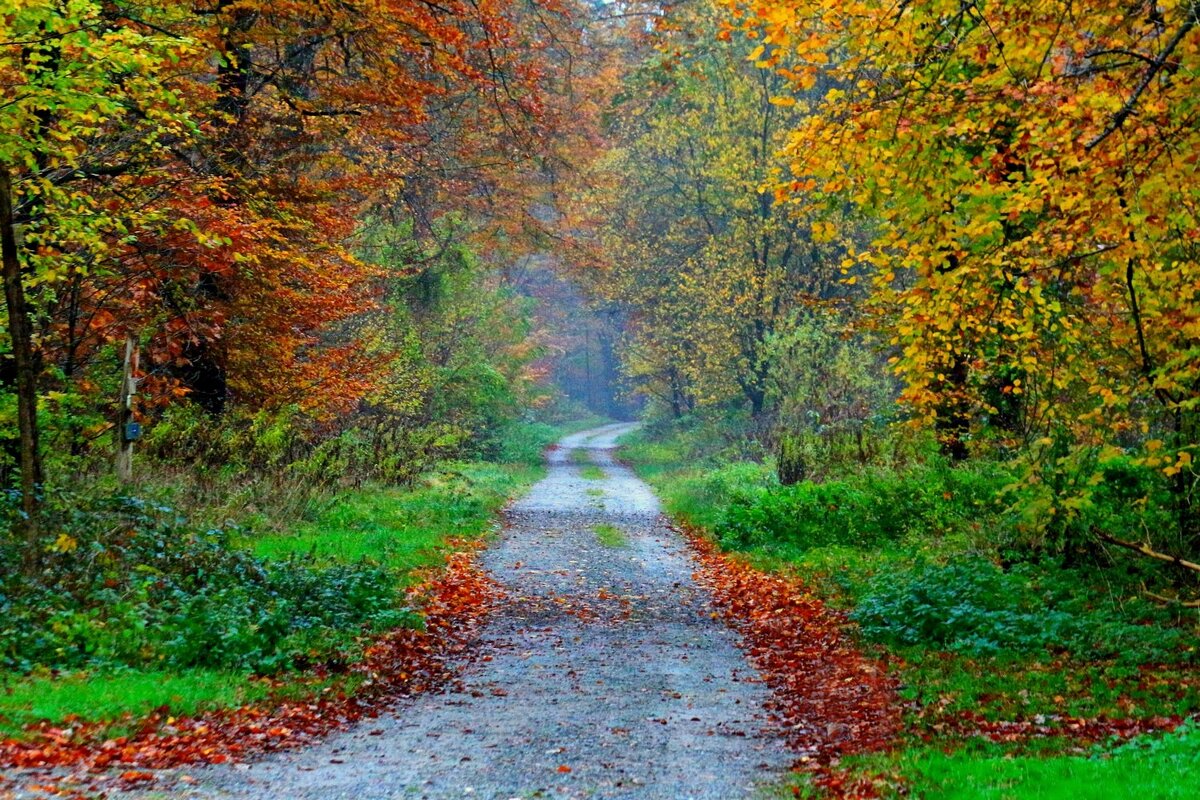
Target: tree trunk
column 125, row 411
column 679, row 405
column 20, row 331
column 1183, row 486
column 953, row 421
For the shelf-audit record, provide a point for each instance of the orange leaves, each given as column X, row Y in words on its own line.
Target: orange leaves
column 832, row 700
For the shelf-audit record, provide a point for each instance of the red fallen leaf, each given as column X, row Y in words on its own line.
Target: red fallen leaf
column 136, row 776
column 830, row 699
column 1083, row 730
column 563, row 768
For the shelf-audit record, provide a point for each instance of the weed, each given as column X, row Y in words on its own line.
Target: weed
column 591, row 473
column 610, row 535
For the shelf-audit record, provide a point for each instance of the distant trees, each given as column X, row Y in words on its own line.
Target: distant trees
column 696, row 245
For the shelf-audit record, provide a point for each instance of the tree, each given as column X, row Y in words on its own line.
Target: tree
column 85, row 117
column 1031, row 167
column 226, row 155
column 697, row 245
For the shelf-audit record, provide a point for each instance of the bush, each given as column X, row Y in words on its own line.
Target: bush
column 705, row 499
column 129, row 583
column 865, row 510
column 523, row 442
column 976, row 608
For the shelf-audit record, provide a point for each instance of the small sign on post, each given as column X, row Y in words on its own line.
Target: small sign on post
column 128, row 431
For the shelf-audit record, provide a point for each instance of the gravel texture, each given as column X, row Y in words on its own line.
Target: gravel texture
column 604, row 674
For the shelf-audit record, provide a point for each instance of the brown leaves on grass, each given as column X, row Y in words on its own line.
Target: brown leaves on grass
column 831, row 699
column 399, row 664
column 1083, row 730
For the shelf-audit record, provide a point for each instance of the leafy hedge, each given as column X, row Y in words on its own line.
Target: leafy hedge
column 864, row 510
column 128, row 583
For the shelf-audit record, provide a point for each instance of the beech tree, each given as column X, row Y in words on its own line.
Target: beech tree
column 86, row 115
column 1032, row 169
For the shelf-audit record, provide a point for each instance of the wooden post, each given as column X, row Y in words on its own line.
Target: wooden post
column 125, row 411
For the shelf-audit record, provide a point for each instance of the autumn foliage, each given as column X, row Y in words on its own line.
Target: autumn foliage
column 831, row 699
column 203, row 178
column 1027, row 172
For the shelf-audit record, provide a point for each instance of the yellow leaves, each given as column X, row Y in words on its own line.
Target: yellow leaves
column 1182, row 461
column 823, row 232
column 65, row 543
column 1012, row 236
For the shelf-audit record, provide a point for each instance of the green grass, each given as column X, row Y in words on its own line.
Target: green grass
column 25, row 701
column 1151, row 767
column 1148, row 768
column 610, row 535
column 118, row 701
column 594, row 492
column 405, row 529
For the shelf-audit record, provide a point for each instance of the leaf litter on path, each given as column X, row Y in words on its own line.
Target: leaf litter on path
column 831, row 699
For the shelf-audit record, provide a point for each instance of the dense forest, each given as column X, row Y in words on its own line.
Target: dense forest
column 904, row 294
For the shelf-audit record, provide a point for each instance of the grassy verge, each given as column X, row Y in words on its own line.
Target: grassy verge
column 396, row 532
column 404, row 529
column 118, row 700
column 1145, row 768
column 919, row 560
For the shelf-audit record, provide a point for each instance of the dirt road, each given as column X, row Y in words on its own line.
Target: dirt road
column 604, row 673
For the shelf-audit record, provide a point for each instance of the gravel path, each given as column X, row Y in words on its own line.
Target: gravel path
column 603, row 674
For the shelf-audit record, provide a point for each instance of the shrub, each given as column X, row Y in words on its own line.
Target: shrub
column 976, row 608
column 522, row 442
column 704, row 499
column 865, row 510
column 129, row 583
